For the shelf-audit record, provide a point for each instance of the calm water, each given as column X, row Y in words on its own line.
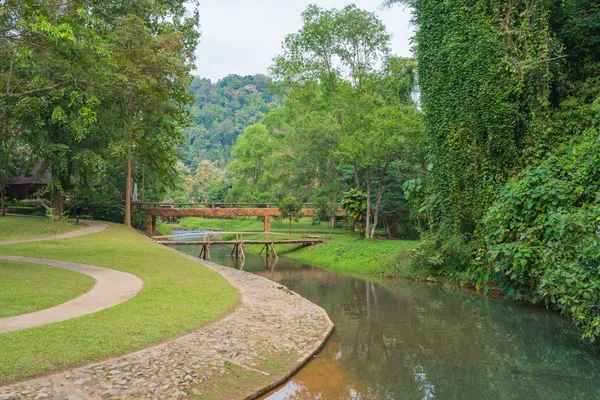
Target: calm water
column 403, row 340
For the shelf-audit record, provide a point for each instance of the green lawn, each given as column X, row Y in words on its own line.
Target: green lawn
column 179, row 295
column 16, row 228
column 26, row 288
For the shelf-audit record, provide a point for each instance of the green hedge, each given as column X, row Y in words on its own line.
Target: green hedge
column 25, row 210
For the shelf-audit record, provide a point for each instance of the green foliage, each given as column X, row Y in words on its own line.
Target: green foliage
column 349, row 113
column 325, row 210
column 355, row 204
column 541, row 234
column 89, row 85
column 222, row 111
column 254, row 169
column 291, row 209
column 101, row 207
column 23, row 210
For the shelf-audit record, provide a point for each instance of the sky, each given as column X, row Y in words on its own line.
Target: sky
column 243, row 36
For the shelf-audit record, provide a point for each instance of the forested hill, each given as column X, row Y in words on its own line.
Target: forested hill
column 221, row 112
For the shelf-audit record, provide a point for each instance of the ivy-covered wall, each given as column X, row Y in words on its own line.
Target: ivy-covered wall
column 484, row 87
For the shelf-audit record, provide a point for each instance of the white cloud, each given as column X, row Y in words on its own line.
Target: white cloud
column 242, row 37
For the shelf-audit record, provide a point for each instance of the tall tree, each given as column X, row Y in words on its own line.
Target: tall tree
column 154, row 51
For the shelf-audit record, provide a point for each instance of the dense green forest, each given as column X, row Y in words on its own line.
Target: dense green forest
column 221, row 112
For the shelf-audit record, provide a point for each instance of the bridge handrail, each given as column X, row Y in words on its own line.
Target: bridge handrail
column 204, row 234
column 231, row 204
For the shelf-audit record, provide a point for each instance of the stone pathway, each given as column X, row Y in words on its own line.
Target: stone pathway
column 255, row 347
column 111, row 288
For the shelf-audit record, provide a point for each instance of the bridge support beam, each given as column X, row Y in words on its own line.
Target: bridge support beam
column 151, row 224
column 267, row 223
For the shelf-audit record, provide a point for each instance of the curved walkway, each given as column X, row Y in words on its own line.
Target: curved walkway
column 112, row 288
column 92, row 227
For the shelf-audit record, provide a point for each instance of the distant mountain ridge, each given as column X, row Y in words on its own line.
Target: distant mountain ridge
column 221, row 113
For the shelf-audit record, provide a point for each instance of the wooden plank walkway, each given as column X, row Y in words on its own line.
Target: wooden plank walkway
column 238, row 243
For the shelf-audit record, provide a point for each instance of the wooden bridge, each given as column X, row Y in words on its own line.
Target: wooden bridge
column 218, row 210
column 269, row 241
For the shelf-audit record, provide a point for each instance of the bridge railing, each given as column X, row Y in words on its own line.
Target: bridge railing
column 213, row 205
column 239, row 236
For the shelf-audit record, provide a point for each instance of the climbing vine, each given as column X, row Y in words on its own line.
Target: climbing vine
column 511, row 94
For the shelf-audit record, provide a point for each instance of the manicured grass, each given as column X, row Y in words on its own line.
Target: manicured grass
column 179, row 295
column 26, row 288
column 16, row 228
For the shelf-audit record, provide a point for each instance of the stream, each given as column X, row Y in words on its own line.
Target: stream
column 406, row 340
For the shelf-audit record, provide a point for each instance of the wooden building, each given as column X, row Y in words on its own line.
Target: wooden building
column 26, row 186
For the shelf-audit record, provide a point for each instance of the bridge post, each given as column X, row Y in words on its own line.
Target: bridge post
column 267, row 223
column 151, row 224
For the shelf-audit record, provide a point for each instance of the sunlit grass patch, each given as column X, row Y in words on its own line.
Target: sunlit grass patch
column 17, row 228
column 26, row 287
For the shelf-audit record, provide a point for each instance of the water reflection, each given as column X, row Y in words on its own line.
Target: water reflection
column 403, row 340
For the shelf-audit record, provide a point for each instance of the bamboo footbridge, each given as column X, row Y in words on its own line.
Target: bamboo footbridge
column 267, row 240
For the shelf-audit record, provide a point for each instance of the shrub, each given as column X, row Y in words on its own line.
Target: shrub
column 40, row 203
column 541, row 235
column 23, row 210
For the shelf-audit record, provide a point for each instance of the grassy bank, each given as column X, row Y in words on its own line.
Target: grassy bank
column 17, row 228
column 26, row 287
column 178, row 296
column 381, row 258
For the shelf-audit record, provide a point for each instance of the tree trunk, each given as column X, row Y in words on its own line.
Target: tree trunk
column 356, row 177
column 143, row 184
column 128, row 186
column 368, row 217
column 4, row 181
column 3, row 194
column 3, row 184
column 128, row 189
column 58, row 203
column 379, row 197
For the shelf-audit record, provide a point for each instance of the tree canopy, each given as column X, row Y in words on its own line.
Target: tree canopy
column 90, row 85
